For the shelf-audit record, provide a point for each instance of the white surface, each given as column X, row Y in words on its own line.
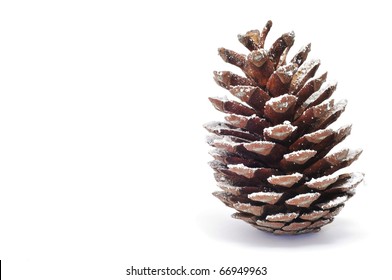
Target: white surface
column 103, row 161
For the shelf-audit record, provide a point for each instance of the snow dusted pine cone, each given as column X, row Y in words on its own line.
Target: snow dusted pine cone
column 272, row 155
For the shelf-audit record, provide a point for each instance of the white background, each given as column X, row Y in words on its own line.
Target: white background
column 103, row 161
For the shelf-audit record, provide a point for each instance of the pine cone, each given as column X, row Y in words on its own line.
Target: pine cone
column 272, row 155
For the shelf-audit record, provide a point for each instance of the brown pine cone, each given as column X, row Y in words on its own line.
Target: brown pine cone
column 272, row 155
